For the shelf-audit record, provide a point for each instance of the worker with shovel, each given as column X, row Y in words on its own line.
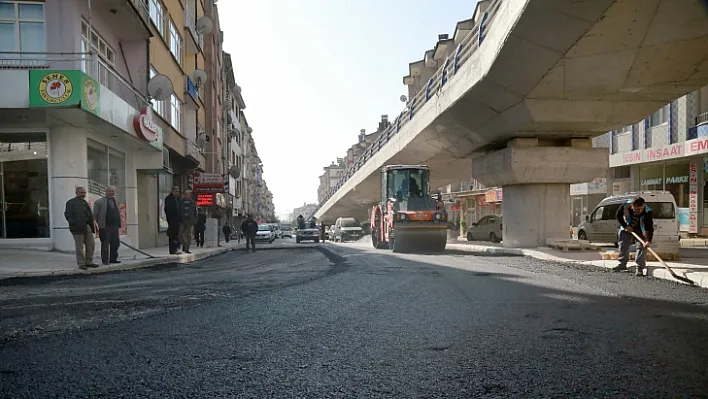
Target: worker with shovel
column 634, row 216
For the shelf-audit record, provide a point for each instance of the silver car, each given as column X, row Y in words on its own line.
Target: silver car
column 489, row 228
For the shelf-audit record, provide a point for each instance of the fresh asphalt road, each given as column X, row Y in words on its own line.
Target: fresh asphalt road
column 344, row 320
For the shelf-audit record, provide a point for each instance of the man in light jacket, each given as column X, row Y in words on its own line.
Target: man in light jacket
column 188, row 214
column 106, row 211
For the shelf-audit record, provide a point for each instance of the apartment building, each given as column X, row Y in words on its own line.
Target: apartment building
column 234, row 106
column 77, row 114
column 331, row 176
column 306, row 210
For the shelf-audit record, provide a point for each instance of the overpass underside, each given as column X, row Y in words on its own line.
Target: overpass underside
column 549, row 75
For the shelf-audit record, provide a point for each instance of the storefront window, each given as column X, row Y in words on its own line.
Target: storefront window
column 24, row 182
column 164, row 187
column 651, row 177
column 106, row 167
column 676, row 182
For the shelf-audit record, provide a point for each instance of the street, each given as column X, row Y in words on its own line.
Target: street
column 330, row 320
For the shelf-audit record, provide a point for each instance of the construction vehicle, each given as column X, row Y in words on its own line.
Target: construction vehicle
column 408, row 218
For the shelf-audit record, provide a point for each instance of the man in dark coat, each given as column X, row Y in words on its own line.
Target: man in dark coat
column 173, row 207
column 249, row 227
column 82, row 227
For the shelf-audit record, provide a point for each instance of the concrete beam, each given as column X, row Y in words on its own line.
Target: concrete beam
column 534, row 165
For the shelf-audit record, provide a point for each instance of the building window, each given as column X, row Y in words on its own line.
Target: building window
column 175, row 42
column 107, row 57
column 176, row 113
column 157, row 106
column 22, row 27
column 660, row 117
column 106, row 167
column 157, row 16
column 24, row 182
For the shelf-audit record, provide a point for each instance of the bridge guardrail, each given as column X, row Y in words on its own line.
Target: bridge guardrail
column 450, row 67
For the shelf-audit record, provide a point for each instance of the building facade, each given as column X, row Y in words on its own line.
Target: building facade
column 667, row 151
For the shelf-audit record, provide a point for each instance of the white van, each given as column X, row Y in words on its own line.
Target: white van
column 602, row 225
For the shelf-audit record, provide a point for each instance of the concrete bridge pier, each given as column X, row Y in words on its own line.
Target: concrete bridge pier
column 535, row 176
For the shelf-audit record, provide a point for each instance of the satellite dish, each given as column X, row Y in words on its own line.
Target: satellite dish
column 204, row 25
column 249, row 130
column 200, row 77
column 160, row 87
column 236, row 90
column 235, row 171
column 403, row 98
column 227, row 105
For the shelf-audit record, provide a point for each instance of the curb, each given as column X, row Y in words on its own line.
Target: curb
column 700, row 278
column 139, row 264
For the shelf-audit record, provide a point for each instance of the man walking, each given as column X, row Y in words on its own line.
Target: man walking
column 106, row 212
column 200, row 227
column 81, row 225
column 634, row 216
column 188, row 220
column 249, row 227
column 172, row 214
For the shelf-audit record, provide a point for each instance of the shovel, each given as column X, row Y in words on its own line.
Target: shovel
column 674, row 275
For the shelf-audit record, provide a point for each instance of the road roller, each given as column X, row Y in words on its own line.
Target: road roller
column 408, row 218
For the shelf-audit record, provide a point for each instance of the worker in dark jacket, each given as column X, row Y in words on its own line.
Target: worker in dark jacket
column 634, row 216
column 249, row 227
column 173, row 206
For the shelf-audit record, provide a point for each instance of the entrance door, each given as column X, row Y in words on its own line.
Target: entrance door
column 24, row 197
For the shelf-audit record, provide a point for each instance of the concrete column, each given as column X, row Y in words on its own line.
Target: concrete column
column 68, row 169
column 536, row 186
column 534, row 212
column 131, row 201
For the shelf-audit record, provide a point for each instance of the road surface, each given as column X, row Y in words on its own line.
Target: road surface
column 347, row 321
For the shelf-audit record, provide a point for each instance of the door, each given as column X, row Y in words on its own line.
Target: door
column 24, row 197
column 146, row 209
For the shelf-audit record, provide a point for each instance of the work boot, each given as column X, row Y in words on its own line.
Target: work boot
column 83, row 267
column 639, row 272
column 619, row 268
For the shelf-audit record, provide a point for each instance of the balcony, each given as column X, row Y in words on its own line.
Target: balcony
column 128, row 19
column 192, row 152
column 194, row 42
column 114, row 100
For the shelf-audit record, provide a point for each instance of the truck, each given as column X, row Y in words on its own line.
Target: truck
column 408, row 218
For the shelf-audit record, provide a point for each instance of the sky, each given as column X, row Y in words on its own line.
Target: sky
column 315, row 72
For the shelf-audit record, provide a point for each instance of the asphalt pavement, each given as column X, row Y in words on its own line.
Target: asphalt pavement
column 347, row 321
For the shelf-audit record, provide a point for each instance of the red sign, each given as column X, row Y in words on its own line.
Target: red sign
column 145, row 126
column 697, row 146
column 672, row 151
column 205, row 199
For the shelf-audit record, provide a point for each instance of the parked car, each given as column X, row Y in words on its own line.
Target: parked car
column 488, row 228
column 347, row 229
column 287, row 231
column 601, row 224
column 265, row 233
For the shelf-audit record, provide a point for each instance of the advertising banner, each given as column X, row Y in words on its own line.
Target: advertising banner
column 64, row 88
column 693, row 197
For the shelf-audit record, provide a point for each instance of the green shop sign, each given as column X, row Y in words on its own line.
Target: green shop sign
column 69, row 88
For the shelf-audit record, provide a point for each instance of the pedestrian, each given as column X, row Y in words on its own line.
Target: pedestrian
column 188, row 218
column 106, row 212
column 249, row 227
column 82, row 227
column 634, row 216
column 173, row 216
column 301, row 222
column 200, row 227
column 227, row 232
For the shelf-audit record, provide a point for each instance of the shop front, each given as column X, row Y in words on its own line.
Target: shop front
column 584, row 198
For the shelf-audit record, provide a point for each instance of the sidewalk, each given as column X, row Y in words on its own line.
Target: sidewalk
column 693, row 263
column 33, row 263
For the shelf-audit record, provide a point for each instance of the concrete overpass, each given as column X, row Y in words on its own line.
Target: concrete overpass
column 515, row 95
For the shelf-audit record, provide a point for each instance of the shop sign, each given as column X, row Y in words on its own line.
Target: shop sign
column 697, row 146
column 492, row 196
column 668, row 152
column 651, row 154
column 209, row 183
column 579, row 189
column 693, row 198
column 64, row 88
column 668, row 180
column 146, row 128
column 205, row 199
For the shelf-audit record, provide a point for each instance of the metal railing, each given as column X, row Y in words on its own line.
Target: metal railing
column 89, row 63
column 440, row 78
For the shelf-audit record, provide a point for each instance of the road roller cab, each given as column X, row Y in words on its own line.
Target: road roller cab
column 408, row 218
